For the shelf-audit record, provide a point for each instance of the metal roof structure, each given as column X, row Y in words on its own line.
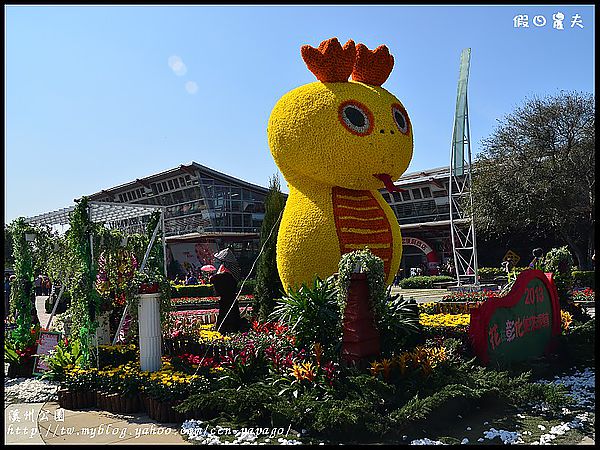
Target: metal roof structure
column 105, row 212
column 190, row 169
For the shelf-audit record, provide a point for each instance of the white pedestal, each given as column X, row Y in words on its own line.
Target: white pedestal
column 150, row 334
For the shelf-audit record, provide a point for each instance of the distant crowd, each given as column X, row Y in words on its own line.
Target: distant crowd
column 192, row 277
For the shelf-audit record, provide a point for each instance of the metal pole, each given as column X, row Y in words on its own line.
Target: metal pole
column 60, row 293
column 141, row 269
column 164, row 241
column 120, row 324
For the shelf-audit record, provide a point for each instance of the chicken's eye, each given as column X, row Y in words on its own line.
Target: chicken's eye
column 400, row 118
column 356, row 117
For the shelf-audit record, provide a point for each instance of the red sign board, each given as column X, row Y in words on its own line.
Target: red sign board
column 520, row 325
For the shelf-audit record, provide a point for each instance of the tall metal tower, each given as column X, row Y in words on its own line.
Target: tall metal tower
column 462, row 226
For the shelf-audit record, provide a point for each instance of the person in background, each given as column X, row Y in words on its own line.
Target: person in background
column 38, row 285
column 6, row 295
column 537, row 261
column 47, row 286
column 191, row 279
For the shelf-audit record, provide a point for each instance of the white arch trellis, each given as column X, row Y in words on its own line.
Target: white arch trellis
column 125, row 217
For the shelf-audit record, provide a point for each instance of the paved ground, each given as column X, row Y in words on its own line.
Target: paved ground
column 39, row 423
column 421, row 295
column 40, row 304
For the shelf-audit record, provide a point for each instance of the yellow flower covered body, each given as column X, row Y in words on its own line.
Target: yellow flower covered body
column 336, row 144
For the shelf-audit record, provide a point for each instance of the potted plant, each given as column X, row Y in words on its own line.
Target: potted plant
column 19, row 349
column 148, row 282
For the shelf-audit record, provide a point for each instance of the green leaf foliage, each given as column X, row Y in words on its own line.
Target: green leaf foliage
column 423, row 282
column 536, row 173
column 268, row 284
column 312, row 313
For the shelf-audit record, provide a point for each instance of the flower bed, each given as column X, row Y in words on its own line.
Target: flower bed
column 470, row 296
column 458, row 322
column 448, row 307
column 183, row 303
column 583, row 295
column 126, row 389
column 189, row 334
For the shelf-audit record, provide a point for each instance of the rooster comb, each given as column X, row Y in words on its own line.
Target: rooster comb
column 331, row 62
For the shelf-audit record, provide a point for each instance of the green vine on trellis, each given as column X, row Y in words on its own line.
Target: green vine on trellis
column 85, row 300
column 22, row 290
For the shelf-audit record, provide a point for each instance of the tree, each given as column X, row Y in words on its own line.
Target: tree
column 268, row 283
column 9, row 259
column 536, row 173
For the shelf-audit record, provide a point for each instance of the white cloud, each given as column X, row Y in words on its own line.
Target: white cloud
column 191, row 87
column 177, row 65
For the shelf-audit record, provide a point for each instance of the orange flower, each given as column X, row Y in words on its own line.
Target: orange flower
column 386, row 364
column 403, row 360
column 318, row 349
column 297, row 372
column 309, row 372
column 375, row 368
column 565, row 320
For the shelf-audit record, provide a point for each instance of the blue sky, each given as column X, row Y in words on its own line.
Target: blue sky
column 99, row 96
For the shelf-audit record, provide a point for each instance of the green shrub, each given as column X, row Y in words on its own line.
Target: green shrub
column 560, row 262
column 312, row 313
column 584, row 278
column 423, row 282
column 579, row 345
column 193, row 290
column 489, row 273
column 334, row 418
column 418, row 409
column 268, row 284
column 247, row 404
column 399, row 326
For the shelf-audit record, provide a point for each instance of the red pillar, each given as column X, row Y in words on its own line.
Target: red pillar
column 360, row 336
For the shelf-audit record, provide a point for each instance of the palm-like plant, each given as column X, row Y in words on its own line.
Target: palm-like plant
column 399, row 324
column 311, row 313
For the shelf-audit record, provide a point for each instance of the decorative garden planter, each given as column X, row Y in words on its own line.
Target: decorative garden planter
column 100, row 400
column 145, row 403
column 360, row 337
column 149, row 332
column 148, row 288
column 65, row 399
column 75, row 400
column 163, row 411
column 132, row 404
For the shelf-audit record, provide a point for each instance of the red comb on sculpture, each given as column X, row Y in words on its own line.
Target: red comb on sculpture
column 372, row 66
column 330, row 62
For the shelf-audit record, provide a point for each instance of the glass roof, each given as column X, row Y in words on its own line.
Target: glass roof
column 99, row 212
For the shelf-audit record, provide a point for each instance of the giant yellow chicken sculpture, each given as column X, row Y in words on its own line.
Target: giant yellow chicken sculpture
column 337, row 142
